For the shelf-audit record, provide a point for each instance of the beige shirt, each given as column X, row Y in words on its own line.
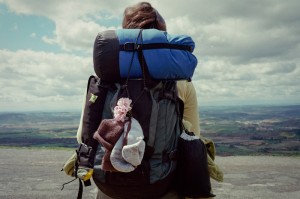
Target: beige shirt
column 187, row 93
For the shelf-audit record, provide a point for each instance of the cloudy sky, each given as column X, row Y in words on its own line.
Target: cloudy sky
column 248, row 50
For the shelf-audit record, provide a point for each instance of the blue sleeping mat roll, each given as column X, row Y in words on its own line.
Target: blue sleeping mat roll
column 167, row 57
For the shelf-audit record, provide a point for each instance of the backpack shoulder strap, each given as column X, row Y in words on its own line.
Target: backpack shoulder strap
column 92, row 114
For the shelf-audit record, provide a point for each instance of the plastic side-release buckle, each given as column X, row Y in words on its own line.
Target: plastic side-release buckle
column 129, row 46
column 169, row 156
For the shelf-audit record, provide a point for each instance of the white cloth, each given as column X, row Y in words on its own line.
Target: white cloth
column 126, row 158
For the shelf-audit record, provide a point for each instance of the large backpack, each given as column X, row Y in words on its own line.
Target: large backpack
column 155, row 105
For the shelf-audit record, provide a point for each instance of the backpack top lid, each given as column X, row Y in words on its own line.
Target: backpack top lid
column 167, row 57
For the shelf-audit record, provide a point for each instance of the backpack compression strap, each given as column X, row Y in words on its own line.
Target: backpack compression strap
column 130, row 46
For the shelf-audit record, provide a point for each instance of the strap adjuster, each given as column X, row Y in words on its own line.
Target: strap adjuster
column 169, row 156
column 129, row 46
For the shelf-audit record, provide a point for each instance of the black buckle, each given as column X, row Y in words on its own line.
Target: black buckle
column 128, row 46
column 169, row 156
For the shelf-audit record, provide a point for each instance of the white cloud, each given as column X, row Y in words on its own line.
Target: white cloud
column 74, row 29
column 247, row 50
column 248, row 83
column 39, row 78
column 33, row 35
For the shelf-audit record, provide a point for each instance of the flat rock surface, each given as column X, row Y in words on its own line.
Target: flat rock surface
column 35, row 174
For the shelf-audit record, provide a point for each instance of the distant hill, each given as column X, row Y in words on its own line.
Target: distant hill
column 253, row 129
column 39, row 129
column 240, row 130
column 38, row 117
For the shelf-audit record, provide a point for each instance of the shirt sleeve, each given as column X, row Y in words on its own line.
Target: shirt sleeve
column 187, row 93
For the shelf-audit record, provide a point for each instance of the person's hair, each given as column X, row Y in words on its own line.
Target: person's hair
column 143, row 15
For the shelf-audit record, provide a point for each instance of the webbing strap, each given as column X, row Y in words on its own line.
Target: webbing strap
column 153, row 121
column 114, row 100
column 147, row 83
column 130, row 46
column 80, row 190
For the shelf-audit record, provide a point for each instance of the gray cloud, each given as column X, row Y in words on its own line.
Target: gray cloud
column 247, row 50
column 278, row 69
column 244, row 31
column 38, row 78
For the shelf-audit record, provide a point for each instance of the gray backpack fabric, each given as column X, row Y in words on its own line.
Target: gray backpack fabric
column 158, row 109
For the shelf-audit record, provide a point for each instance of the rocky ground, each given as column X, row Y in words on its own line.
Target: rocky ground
column 35, row 174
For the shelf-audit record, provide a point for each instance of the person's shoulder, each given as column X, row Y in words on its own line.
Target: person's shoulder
column 185, row 89
column 184, row 85
column 181, row 84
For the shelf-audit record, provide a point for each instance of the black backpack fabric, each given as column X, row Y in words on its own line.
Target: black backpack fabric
column 158, row 111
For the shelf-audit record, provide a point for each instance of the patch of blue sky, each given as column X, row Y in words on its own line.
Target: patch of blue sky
column 106, row 19
column 18, row 31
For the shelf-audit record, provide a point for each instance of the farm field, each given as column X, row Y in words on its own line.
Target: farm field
column 244, row 130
